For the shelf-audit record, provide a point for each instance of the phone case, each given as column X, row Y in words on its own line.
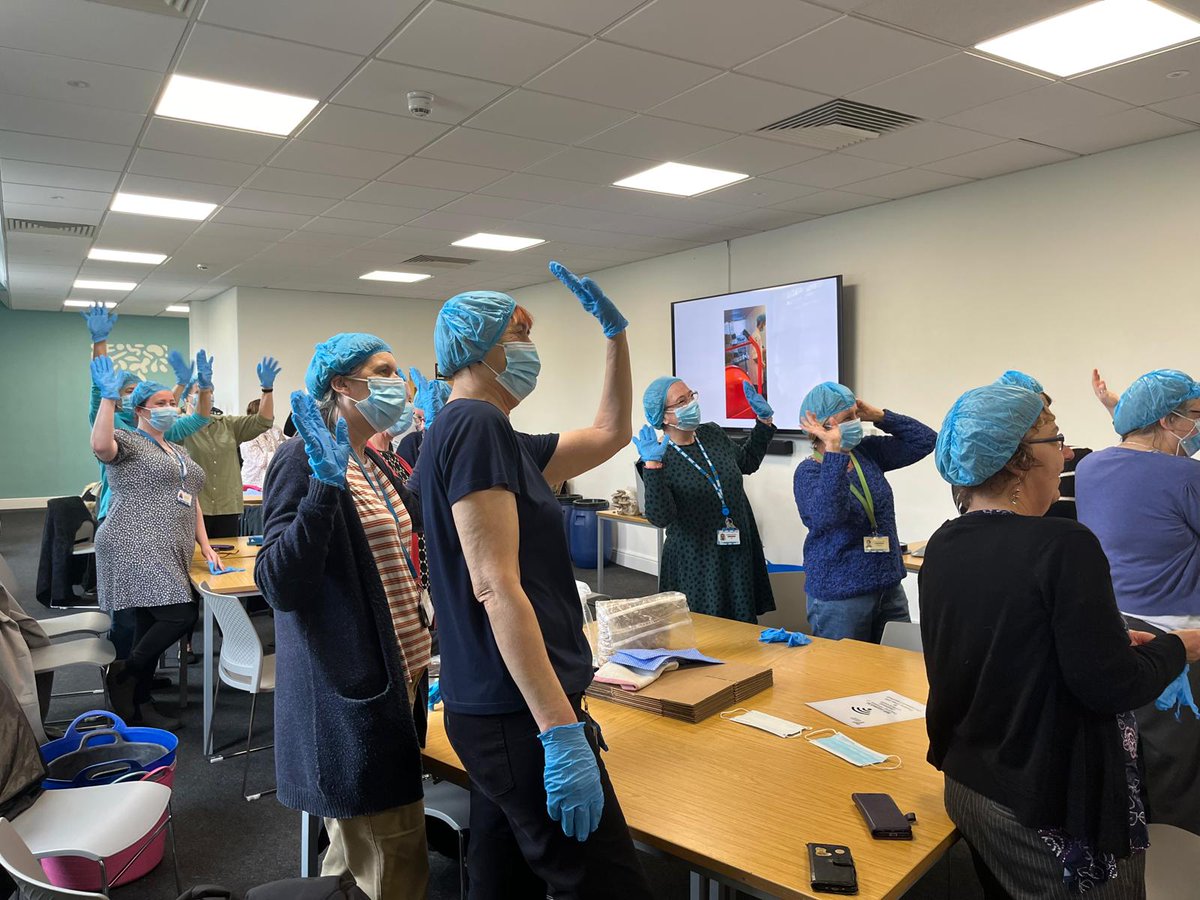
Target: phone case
column 883, row 817
column 831, row 869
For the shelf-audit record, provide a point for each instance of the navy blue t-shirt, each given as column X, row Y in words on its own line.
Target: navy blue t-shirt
column 473, row 447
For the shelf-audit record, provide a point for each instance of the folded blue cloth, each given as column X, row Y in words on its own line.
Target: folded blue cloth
column 1178, row 695
column 654, row 660
column 214, row 569
column 783, row 636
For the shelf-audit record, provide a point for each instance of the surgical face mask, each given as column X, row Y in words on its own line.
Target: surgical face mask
column 162, row 417
column 401, row 426
column 384, row 406
column 1190, row 445
column 852, row 433
column 848, row 749
column 687, row 418
column 521, row 368
column 755, row 719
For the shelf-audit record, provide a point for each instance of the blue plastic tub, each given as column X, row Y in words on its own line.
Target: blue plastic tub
column 108, row 728
column 583, row 533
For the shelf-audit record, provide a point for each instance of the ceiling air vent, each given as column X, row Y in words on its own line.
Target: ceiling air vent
column 61, row 229
column 445, row 262
column 840, row 123
column 177, row 8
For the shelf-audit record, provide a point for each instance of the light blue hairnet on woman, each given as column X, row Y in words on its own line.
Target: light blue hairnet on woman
column 827, row 399
column 1152, row 397
column 982, row 431
column 1020, row 379
column 144, row 391
column 128, row 378
column 654, row 401
column 468, row 326
column 340, row 355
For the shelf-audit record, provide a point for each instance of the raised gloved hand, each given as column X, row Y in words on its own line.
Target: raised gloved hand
column 100, row 322
column 106, row 378
column 328, row 455
column 204, row 364
column 574, row 794
column 437, row 394
column 757, row 401
column 649, row 447
column 267, row 370
column 184, row 370
column 420, row 385
column 593, row 299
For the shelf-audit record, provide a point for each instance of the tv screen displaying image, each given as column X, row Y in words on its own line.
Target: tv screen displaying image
column 781, row 340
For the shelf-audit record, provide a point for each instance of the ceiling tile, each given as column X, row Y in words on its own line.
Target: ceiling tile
column 349, row 127
column 62, row 151
column 498, row 207
column 1133, row 126
column 826, row 203
column 723, row 34
column 145, row 233
column 355, row 26
column 578, row 164
column 438, row 173
column 1030, row 113
column 751, row 155
column 69, row 120
column 309, row 183
column 501, row 49
column 357, row 228
column 384, row 86
column 1000, row 159
column 1184, row 107
column 644, row 203
column 206, row 140
column 92, row 31
column 317, row 239
column 404, row 195
column 263, row 62
column 737, row 103
column 15, row 171
column 372, row 212
column 761, row 192
column 963, row 22
column 47, row 249
column 233, row 216
column 845, row 56
column 620, row 76
column 607, row 221
column 833, row 170
column 949, row 86
column 654, row 138
column 179, row 189
column 922, row 143
column 466, row 145
column 465, row 225
column 1145, row 81
column 239, row 234
column 538, row 188
column 586, row 16
column 53, row 213
column 906, row 183
column 109, row 87
column 191, row 168
column 546, row 117
column 350, row 162
column 56, row 196
column 274, row 201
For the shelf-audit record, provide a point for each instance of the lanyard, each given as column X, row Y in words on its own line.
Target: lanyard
column 710, row 476
column 382, row 495
column 175, row 453
column 864, row 496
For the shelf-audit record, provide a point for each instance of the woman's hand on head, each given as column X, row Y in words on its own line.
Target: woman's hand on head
column 867, row 412
column 829, row 436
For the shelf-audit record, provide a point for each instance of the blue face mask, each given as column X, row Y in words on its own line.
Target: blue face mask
column 384, row 405
column 687, row 418
column 403, row 424
column 521, row 368
column 163, row 417
column 848, row 749
column 852, row 433
column 1190, row 445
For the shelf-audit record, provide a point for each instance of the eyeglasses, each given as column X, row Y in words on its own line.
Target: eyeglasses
column 680, row 404
column 1059, row 439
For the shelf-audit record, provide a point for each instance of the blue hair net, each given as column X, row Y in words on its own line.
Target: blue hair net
column 982, row 431
column 654, row 401
column 827, row 399
column 1152, row 397
column 144, row 391
column 1020, row 379
column 340, row 355
column 128, row 378
column 468, row 326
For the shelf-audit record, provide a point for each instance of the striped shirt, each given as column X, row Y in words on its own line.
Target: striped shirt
column 386, row 542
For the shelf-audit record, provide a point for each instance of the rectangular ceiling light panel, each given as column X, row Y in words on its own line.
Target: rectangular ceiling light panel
column 232, row 105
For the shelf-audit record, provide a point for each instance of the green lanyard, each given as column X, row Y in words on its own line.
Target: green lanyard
column 864, row 496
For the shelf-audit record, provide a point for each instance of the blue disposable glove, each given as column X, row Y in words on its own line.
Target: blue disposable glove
column 649, row 447
column 215, row 569
column 757, row 401
column 435, row 694
column 106, row 378
column 593, row 300
column 1178, row 696
column 267, row 370
column 421, row 385
column 783, row 636
column 204, row 371
column 574, row 794
column 437, row 394
column 184, row 370
column 327, row 455
column 100, row 322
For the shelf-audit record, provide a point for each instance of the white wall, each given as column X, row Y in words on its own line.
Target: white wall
column 1089, row 262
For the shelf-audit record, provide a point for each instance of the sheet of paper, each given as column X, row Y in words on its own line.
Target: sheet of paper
column 866, row 710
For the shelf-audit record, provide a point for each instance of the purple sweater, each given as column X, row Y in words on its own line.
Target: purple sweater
column 835, row 565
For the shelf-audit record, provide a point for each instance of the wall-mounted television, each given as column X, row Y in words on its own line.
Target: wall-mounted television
column 782, row 340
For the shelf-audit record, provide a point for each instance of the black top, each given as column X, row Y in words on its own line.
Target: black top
column 410, row 447
column 1029, row 662
column 1064, row 506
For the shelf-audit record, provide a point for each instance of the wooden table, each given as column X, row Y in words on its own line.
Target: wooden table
column 739, row 805
column 608, row 516
column 913, row 563
column 235, row 584
column 252, row 498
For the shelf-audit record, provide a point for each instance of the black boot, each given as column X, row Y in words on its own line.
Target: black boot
column 121, row 685
column 150, row 717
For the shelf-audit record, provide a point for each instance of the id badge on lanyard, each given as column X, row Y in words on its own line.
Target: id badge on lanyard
column 729, row 536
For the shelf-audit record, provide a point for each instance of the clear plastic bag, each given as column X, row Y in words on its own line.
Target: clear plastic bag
column 643, row 623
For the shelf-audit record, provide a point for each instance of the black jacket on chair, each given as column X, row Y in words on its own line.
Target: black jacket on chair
column 59, row 570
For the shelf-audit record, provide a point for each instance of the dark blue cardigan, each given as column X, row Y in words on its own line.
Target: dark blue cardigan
column 345, row 744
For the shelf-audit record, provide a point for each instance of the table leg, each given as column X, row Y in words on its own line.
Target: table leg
column 208, row 676
column 659, row 540
column 310, row 833
column 600, row 556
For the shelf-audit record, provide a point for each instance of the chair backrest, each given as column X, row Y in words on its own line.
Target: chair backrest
column 26, row 871
column 241, row 649
column 905, row 635
column 1172, row 863
column 8, row 579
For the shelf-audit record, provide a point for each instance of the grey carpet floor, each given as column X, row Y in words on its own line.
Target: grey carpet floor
column 225, row 840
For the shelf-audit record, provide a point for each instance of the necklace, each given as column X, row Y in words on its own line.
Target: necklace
column 1139, row 445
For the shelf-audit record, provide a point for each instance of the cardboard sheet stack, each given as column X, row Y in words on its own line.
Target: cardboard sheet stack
column 691, row 694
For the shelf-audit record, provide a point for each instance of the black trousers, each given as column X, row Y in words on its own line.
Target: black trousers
column 516, row 851
column 158, row 627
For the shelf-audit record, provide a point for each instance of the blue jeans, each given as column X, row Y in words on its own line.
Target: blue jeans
column 859, row 618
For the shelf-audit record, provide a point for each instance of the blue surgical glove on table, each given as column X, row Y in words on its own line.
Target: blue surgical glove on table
column 574, row 794
column 593, row 299
column 328, row 455
column 204, row 364
column 783, row 636
column 100, row 322
column 757, row 401
column 215, row 569
column 184, row 368
column 1177, row 696
column 106, row 378
column 649, row 447
column 267, row 370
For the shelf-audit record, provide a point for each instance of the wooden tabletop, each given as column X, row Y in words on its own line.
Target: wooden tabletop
column 252, row 498
column 913, row 563
column 743, row 803
column 242, row 557
column 618, row 517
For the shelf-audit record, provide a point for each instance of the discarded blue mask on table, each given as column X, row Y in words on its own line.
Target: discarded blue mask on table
column 783, row 636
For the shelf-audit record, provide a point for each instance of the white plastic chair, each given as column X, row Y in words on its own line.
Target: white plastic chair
column 96, row 623
column 905, row 635
column 244, row 666
column 17, row 860
column 1172, row 863
column 87, row 651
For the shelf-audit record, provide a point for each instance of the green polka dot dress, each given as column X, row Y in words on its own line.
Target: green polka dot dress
column 730, row 582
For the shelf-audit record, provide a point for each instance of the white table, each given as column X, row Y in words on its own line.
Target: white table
column 605, row 515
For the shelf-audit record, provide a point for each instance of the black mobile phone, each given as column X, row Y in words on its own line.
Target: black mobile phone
column 883, row 817
column 220, row 547
column 831, row 869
